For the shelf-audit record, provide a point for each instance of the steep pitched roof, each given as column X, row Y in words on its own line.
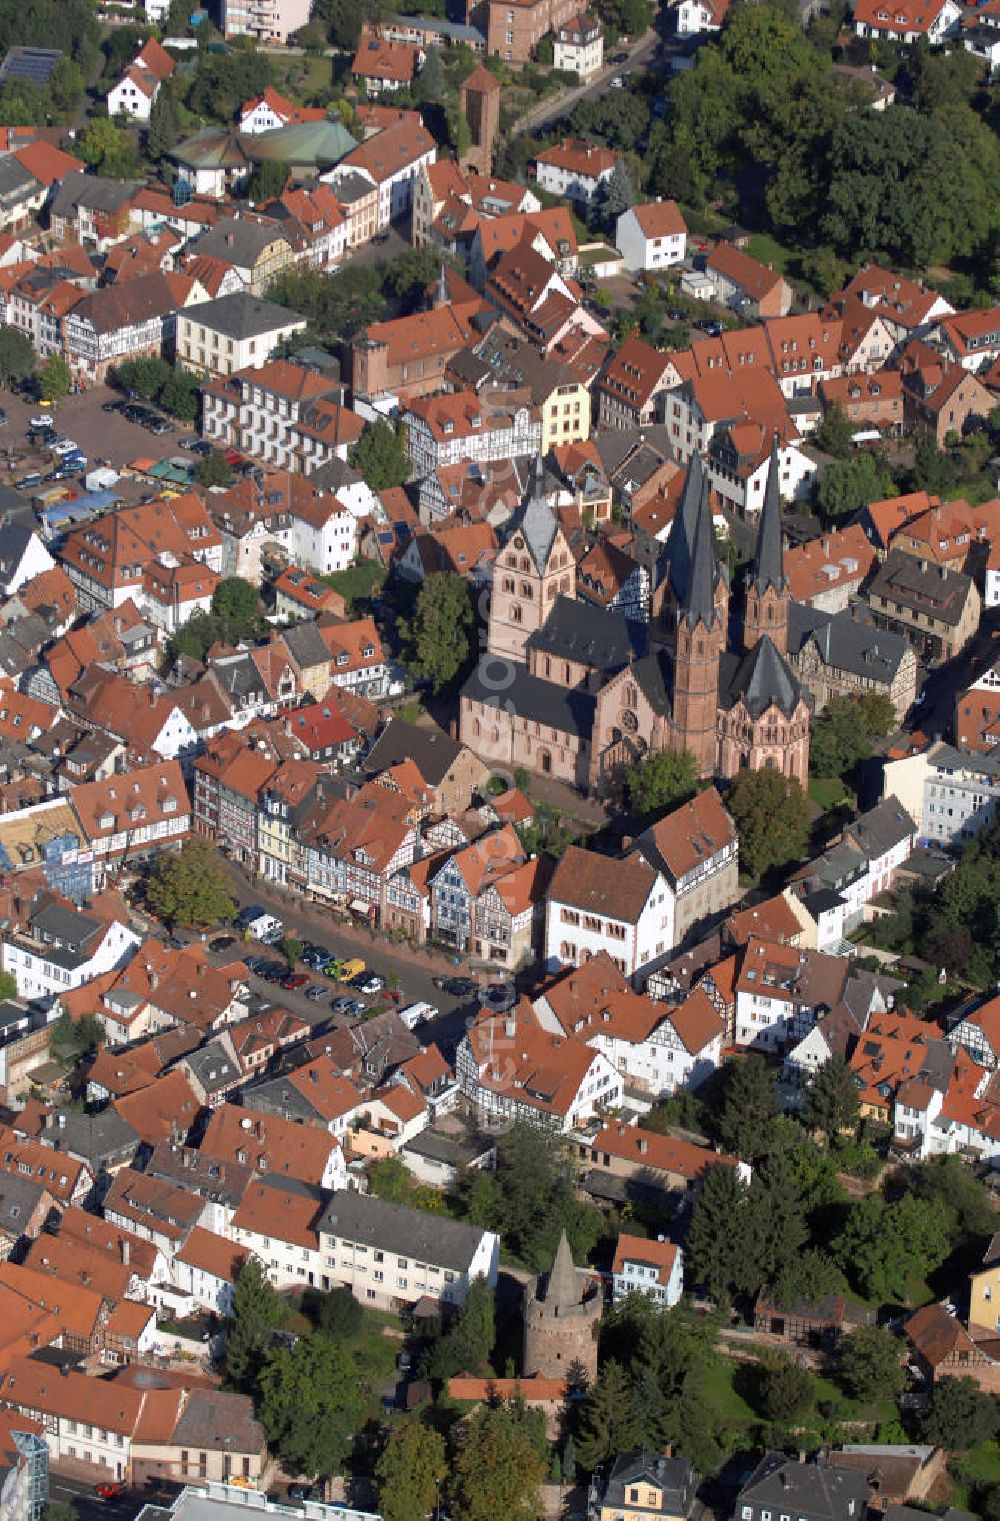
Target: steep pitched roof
column 769, row 568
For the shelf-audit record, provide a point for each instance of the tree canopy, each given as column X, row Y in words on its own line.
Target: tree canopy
column 189, row 886
column 310, row 1404
column 661, row 781
column 380, row 458
column 439, row 635
column 254, row 1317
column 771, row 814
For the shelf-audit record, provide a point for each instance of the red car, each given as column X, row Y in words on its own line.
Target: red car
column 109, row 1491
column 296, row 980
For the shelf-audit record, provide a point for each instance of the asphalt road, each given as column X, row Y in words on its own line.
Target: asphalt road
column 80, row 1494
column 543, row 115
column 309, row 923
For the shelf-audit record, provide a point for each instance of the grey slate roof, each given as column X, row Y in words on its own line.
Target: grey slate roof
column 306, row 645
column 698, row 599
column 679, row 548
column 760, row 678
column 769, row 567
column 431, row 749
column 244, row 316
column 813, row 1491
column 237, row 240
column 568, row 709
column 673, row 1477
column 14, row 539
column 100, row 1140
column 882, row 827
column 375, row 1222
column 19, row 1198
column 213, row 1067
column 15, row 180
column 605, row 641
column 536, row 520
column 846, row 645
column 921, row 587
column 219, row 1422
column 93, row 191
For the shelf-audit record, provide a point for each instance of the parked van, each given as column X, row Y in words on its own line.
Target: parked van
column 263, row 926
column 417, row 1014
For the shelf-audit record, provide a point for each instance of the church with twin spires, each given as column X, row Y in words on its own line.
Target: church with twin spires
column 572, row 691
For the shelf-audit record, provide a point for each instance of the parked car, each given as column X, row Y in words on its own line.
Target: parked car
column 28, row 481
column 372, row 984
column 112, row 406
column 109, row 1490
column 42, row 421
column 356, row 1008
column 315, row 991
column 341, row 1005
column 709, row 325
column 189, row 441
column 222, row 942
column 202, row 447
column 676, row 315
column 294, row 981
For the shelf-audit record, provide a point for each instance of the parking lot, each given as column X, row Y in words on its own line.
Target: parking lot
column 99, row 434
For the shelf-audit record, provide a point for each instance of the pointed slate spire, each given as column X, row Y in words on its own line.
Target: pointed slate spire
column 535, row 519
column 698, row 604
column 769, row 564
column 680, row 541
column 441, row 298
column 562, row 1287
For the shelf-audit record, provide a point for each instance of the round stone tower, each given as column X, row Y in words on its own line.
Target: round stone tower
column 561, row 1314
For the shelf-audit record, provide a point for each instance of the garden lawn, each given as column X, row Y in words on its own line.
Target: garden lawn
column 974, row 1470
column 828, row 792
column 357, row 582
column 303, row 79
column 766, row 250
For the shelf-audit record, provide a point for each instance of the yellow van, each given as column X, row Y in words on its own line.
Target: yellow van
column 352, row 968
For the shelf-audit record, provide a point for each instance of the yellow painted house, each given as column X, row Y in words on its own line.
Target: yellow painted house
column 642, row 1485
column 984, row 1289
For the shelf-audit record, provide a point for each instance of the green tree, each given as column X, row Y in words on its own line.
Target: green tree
column 775, row 1216
column 850, row 484
column 236, row 605
column 144, row 377
column 613, row 197
column 248, row 1337
column 67, row 87
column 17, row 357
column 832, row 1102
column 310, row 1404
column 380, row 458
column 269, row 180
column 651, row 1412
column 224, row 80
column 531, row 1199
column 391, row 1179
column 189, row 886
column 771, row 813
column 8, row 986
column 429, row 85
column 719, row 1253
column 662, row 780
column 438, row 637
column 748, row 1109
column 952, row 1184
column 882, row 1246
column 961, row 1416
column 180, row 395
column 108, row 149
column 292, row 949
column 844, row 733
column 872, row 1363
column 804, row 1279
column 466, row 1346
column 502, row 1459
column 55, row 379
column 607, row 1423
column 786, row 1390
column 339, row 1315
column 409, row 1472
column 164, row 123
column 931, row 468
column 835, row 431
column 213, row 470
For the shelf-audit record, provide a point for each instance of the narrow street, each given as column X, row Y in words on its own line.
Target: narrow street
column 311, row 922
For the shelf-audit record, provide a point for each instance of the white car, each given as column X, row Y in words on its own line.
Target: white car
column 64, row 446
column 43, row 420
column 618, row 83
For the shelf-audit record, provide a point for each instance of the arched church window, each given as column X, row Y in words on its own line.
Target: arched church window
column 515, row 613
column 631, row 696
column 508, row 584
column 526, row 591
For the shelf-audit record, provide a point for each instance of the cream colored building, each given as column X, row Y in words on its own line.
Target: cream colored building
column 237, row 332
column 579, row 46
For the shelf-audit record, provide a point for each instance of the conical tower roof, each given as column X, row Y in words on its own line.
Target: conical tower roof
column 769, row 563
column 536, row 520
column 698, row 603
column 679, row 549
column 562, row 1287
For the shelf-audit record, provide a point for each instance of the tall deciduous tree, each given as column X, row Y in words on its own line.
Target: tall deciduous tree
column 164, row 122
column 772, row 816
column 189, row 886
column 502, row 1459
column 17, row 356
column 438, row 636
column 786, row 1390
column 379, row 457
column 236, row 604
column 409, row 1472
column 310, row 1404
column 872, row 1363
column 662, row 780
column 55, row 379
column 961, row 1415
column 255, row 1315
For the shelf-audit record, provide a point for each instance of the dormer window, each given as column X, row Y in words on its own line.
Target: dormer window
column 106, row 821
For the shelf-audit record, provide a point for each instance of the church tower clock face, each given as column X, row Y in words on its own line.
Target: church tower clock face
column 629, row 721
